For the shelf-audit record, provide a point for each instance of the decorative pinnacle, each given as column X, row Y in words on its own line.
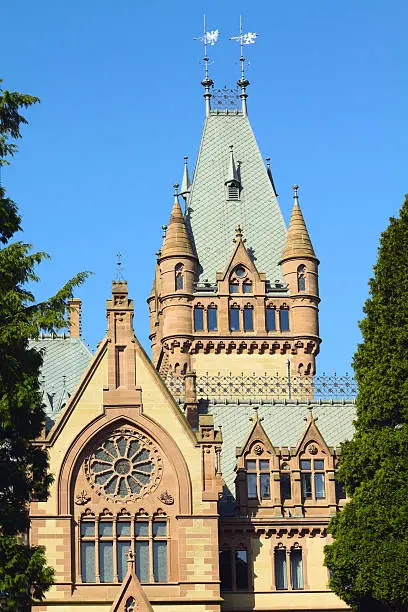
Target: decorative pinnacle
column 119, row 267
column 164, row 228
column 130, row 555
column 238, row 232
column 176, row 193
column 295, row 191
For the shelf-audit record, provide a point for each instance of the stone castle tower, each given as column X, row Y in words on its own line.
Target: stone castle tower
column 233, row 291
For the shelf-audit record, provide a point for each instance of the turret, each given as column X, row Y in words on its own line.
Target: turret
column 300, row 271
column 177, row 270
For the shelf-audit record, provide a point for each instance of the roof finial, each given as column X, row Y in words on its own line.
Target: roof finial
column 208, row 38
column 185, row 183
column 176, row 192
column 295, row 194
column 238, row 232
column 119, row 267
column 244, row 39
column 131, row 556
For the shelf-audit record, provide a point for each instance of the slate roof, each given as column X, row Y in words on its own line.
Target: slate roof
column 284, row 423
column 212, row 219
column 65, row 360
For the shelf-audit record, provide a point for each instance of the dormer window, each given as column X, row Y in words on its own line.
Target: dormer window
column 233, row 191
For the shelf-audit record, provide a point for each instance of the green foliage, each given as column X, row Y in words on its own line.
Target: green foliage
column 368, row 556
column 24, row 576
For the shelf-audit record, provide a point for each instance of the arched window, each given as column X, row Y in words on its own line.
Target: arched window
column 247, row 287
column 281, row 572
column 179, row 272
column 296, row 567
column 270, row 318
column 248, row 318
column 301, row 278
column 284, row 319
column 234, row 286
column 198, row 318
column 212, row 318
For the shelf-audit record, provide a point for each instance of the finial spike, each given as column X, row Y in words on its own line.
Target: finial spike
column 208, row 38
column 244, row 39
column 185, row 183
column 119, row 267
column 295, row 192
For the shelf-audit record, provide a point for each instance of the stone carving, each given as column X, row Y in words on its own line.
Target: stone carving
column 126, row 466
column 313, row 450
column 258, row 450
column 82, row 498
column 166, row 498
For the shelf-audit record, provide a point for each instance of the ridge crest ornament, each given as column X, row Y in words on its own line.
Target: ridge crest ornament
column 126, row 466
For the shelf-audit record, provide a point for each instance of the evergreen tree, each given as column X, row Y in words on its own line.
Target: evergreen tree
column 368, row 557
column 24, row 576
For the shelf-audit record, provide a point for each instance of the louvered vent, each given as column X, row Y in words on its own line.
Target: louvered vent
column 233, row 192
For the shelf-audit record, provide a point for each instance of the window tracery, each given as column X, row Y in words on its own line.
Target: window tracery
column 126, row 466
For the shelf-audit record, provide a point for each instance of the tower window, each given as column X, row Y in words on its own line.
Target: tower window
column 212, row 318
column 285, row 483
column 179, row 277
column 270, row 319
column 284, row 319
column 301, row 278
column 248, row 318
column 198, row 318
column 234, row 318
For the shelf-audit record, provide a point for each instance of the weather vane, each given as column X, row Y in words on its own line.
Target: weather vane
column 119, row 267
column 208, row 38
column 248, row 38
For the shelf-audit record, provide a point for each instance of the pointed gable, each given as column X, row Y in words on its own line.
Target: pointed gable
column 240, row 256
column 257, row 441
column 311, row 435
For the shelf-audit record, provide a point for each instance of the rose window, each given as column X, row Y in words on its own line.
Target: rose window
column 127, row 465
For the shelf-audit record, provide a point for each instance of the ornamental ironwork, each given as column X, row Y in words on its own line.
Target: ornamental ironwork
column 266, row 387
column 226, row 98
column 126, row 466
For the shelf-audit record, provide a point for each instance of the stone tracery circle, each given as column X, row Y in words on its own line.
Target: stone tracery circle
column 125, row 466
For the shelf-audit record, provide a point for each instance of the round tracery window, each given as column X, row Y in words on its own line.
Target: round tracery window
column 127, row 465
column 240, row 272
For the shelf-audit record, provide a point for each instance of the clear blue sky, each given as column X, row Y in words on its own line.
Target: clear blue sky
column 121, row 104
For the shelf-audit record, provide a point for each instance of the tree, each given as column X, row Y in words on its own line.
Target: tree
column 24, row 576
column 368, row 557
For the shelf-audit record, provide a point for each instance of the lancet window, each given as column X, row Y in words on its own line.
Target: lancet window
column 270, row 318
column 179, row 278
column 284, row 318
column 301, row 278
column 212, row 318
column 234, row 317
column 248, row 318
column 285, row 483
column 198, row 318
column 106, row 541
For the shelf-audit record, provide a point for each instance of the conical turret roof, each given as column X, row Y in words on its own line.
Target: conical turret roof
column 298, row 243
column 177, row 241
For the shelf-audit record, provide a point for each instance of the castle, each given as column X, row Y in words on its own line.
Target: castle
column 202, row 479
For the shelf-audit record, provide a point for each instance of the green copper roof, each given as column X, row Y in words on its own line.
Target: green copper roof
column 212, row 219
column 65, row 360
column 284, row 423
